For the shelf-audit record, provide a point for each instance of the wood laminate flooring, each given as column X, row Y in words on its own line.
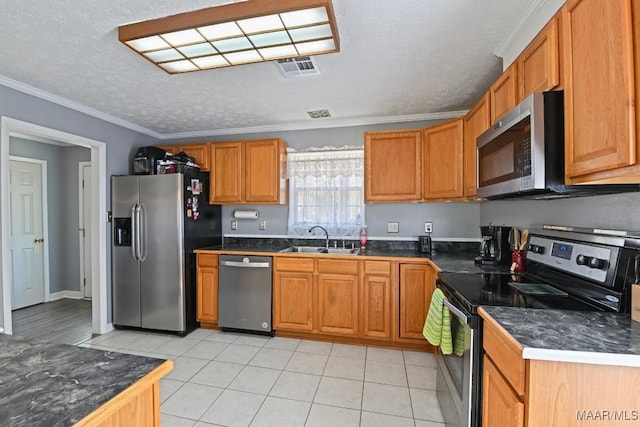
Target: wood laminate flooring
column 66, row 321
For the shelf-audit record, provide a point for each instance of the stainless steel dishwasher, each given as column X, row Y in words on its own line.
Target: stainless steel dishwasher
column 244, row 293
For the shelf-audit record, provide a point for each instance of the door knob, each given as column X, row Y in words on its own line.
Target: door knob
column 38, row 241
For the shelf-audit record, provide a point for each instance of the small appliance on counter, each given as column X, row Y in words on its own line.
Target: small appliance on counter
column 145, row 160
column 424, row 244
column 495, row 247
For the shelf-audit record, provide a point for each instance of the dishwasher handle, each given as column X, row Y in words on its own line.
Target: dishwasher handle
column 247, row 264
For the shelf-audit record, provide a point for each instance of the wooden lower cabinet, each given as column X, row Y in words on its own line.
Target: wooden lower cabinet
column 293, row 294
column 338, row 289
column 207, row 289
column 417, row 282
column 501, row 406
column 376, row 300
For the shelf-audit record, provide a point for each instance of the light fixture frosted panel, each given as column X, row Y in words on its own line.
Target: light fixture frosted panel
column 183, row 37
column 311, row 33
column 270, row 39
column 319, row 46
column 197, row 50
column 270, row 53
column 261, row 24
column 179, row 66
column 220, row 31
column 230, row 45
column 245, row 57
column 210, row 61
column 164, row 55
column 303, row 17
column 148, row 43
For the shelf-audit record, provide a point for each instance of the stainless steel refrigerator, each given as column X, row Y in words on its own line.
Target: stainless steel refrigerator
column 157, row 222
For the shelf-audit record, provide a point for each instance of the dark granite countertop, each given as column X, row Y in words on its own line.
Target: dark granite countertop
column 572, row 336
column 448, row 256
column 45, row 384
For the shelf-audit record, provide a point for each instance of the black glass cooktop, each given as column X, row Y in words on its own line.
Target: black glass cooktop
column 510, row 290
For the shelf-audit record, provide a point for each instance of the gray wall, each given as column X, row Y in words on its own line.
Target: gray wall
column 120, row 142
column 614, row 211
column 450, row 220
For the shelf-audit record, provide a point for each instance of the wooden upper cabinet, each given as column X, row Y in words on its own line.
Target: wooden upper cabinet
column 265, row 171
column 442, row 162
column 477, row 120
column 248, row 172
column 227, row 163
column 504, row 93
column 600, row 90
column 199, row 151
column 538, row 66
column 393, row 166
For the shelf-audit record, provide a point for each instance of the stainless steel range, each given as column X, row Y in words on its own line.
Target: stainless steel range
column 567, row 268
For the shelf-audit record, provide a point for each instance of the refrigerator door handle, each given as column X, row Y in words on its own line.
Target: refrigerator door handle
column 142, row 233
column 134, row 233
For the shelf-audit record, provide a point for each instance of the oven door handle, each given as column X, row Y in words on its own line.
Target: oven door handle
column 456, row 312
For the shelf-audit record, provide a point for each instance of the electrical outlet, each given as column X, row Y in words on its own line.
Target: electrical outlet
column 262, row 224
column 393, row 227
column 428, row 227
column 234, row 224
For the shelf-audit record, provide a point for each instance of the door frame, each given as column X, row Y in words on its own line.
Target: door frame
column 9, row 126
column 81, row 166
column 45, row 219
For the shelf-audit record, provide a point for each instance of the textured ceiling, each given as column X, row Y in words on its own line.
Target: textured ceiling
column 397, row 58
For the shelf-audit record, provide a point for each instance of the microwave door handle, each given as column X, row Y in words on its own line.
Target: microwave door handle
column 456, row 312
column 134, row 233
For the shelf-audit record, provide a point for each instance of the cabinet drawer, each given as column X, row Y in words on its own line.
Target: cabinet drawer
column 207, row 260
column 294, row 264
column 382, row 268
column 506, row 353
column 337, row 266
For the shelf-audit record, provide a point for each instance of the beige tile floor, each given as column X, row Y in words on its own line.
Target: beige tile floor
column 225, row 379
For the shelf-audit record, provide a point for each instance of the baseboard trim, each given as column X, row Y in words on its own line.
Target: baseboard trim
column 65, row 294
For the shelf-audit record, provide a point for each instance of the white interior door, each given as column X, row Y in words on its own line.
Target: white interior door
column 85, row 228
column 26, row 242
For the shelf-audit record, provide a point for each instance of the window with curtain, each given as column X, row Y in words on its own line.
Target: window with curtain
column 326, row 187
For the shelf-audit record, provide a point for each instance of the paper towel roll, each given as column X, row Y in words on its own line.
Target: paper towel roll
column 245, row 214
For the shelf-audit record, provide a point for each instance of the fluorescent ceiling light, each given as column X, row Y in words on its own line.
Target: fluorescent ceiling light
column 234, row 34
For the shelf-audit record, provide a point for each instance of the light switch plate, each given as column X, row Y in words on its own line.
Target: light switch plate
column 262, row 224
column 234, row 224
column 393, row 227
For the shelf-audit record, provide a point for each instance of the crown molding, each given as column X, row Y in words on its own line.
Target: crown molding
column 324, row 123
column 306, row 125
column 47, row 96
column 538, row 13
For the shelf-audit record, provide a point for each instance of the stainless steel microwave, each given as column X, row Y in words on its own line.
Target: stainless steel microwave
column 522, row 155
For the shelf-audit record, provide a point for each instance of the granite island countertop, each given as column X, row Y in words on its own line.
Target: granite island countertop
column 45, row 384
column 571, row 336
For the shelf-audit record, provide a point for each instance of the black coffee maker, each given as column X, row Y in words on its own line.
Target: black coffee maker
column 495, row 247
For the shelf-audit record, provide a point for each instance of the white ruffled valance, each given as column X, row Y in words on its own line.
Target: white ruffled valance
column 326, row 187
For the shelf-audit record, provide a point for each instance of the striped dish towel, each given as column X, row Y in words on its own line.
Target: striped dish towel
column 437, row 326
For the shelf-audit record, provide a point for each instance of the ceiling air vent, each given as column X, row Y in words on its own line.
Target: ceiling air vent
column 319, row 114
column 296, row 67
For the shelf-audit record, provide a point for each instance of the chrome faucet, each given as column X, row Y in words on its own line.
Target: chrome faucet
column 326, row 245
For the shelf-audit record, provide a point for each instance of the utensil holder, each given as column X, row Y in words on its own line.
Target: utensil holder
column 517, row 260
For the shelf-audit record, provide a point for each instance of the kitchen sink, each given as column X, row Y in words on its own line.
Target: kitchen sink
column 321, row 250
column 306, row 249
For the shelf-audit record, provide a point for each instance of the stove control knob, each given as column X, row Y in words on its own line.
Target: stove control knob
column 596, row 263
column 582, row 259
column 536, row 249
